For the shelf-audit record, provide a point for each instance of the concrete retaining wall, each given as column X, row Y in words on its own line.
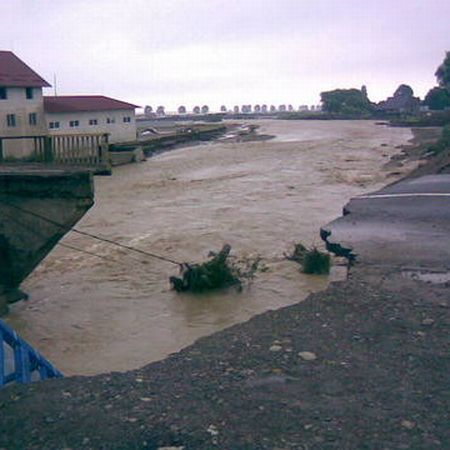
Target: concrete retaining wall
column 38, row 206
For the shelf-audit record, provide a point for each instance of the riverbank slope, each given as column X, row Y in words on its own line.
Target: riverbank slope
column 361, row 365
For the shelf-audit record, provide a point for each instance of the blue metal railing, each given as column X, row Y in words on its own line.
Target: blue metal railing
column 20, row 362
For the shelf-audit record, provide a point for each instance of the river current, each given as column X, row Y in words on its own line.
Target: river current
column 90, row 315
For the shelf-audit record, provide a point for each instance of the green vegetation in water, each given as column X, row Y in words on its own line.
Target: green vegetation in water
column 312, row 260
column 221, row 271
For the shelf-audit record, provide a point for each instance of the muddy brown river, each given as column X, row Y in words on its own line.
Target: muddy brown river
column 90, row 315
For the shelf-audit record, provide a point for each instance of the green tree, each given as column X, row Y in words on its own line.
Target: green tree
column 346, row 101
column 443, row 73
column 437, row 98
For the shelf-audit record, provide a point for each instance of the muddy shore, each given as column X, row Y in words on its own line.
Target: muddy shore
column 417, row 150
column 362, row 365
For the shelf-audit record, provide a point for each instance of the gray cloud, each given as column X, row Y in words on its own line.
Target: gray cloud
column 229, row 51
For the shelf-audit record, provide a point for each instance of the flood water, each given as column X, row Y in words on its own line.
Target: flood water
column 90, row 315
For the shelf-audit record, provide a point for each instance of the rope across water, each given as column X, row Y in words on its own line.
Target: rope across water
column 92, row 236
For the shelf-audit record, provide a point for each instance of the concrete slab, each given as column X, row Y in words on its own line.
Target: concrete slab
column 403, row 223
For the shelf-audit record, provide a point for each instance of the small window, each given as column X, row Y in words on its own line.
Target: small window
column 127, row 119
column 74, row 123
column 11, row 120
column 53, row 125
column 29, row 92
column 93, row 122
column 32, row 119
column 3, row 93
column 110, row 120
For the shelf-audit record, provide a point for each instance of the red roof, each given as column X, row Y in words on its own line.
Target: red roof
column 78, row 103
column 15, row 73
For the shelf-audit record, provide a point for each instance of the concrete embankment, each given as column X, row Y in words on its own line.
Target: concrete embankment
column 362, row 365
column 138, row 151
column 38, row 206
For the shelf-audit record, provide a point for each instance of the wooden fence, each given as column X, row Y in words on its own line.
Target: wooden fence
column 87, row 150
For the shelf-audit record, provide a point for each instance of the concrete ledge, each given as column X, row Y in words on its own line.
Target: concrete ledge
column 34, row 181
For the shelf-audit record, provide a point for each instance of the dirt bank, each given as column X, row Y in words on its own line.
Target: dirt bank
column 418, row 149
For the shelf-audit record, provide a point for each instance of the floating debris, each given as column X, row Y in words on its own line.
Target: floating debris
column 216, row 273
column 313, row 261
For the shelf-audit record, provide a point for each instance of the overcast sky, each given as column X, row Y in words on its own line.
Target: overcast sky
column 195, row 52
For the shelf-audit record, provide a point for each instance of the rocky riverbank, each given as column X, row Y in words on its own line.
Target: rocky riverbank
column 362, row 365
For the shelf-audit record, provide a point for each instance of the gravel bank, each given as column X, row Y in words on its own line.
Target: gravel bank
column 362, row 365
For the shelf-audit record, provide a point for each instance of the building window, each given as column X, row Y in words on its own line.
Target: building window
column 11, row 120
column 3, row 93
column 53, row 125
column 93, row 122
column 29, row 93
column 32, row 119
column 127, row 119
column 110, row 120
column 74, row 123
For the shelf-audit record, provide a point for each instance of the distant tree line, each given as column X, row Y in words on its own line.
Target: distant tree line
column 243, row 109
column 355, row 102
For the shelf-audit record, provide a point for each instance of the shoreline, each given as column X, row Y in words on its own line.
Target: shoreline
column 316, row 374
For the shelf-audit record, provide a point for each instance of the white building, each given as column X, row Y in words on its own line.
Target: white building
column 21, row 105
column 84, row 114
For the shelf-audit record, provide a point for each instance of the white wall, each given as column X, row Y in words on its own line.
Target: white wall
column 119, row 131
column 18, row 104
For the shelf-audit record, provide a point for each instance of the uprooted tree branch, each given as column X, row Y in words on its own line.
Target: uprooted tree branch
column 312, row 260
column 216, row 273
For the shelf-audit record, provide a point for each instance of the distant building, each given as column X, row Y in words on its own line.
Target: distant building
column 21, row 104
column 84, row 114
